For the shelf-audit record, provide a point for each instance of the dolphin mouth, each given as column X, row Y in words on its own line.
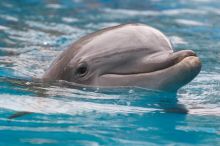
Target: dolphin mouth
column 180, row 69
column 170, row 61
column 183, row 57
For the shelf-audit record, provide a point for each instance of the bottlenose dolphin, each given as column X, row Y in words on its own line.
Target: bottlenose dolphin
column 125, row 55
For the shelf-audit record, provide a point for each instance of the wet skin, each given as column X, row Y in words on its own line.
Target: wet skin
column 125, row 55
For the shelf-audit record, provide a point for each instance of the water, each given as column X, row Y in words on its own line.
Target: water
column 33, row 32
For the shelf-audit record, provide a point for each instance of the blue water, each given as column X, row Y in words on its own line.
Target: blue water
column 33, row 32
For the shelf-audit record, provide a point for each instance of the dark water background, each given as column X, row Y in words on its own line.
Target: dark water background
column 33, row 32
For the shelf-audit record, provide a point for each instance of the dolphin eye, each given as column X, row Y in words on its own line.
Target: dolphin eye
column 82, row 70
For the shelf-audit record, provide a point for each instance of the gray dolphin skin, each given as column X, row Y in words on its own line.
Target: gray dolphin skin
column 134, row 55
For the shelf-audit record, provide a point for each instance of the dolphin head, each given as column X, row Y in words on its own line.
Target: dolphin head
column 125, row 55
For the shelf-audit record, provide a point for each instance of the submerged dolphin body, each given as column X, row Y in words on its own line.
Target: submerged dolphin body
column 125, row 55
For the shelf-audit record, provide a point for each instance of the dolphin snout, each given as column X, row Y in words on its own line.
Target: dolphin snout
column 180, row 55
column 194, row 64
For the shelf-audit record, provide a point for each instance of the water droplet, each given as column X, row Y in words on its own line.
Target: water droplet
column 46, row 43
column 131, row 91
column 27, row 83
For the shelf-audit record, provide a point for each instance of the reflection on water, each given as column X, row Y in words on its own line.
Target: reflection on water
column 33, row 32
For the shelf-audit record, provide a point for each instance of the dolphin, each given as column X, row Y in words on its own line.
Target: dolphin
column 134, row 55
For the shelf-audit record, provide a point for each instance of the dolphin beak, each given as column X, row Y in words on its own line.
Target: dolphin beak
column 181, row 73
column 180, row 55
column 181, row 67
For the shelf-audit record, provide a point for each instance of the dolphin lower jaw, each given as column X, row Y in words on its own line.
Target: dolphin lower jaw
column 181, row 73
column 183, row 69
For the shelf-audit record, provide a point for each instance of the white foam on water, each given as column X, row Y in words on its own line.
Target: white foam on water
column 52, row 106
column 190, row 22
